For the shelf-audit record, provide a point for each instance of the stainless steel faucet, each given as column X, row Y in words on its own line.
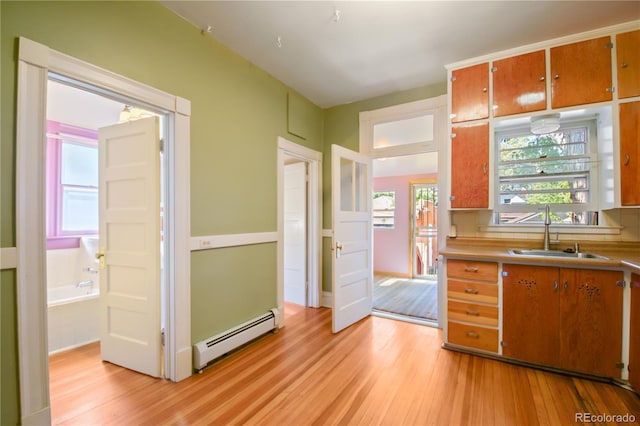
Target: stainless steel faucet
column 547, row 222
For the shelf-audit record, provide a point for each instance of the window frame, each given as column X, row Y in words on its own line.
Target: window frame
column 57, row 135
column 588, row 122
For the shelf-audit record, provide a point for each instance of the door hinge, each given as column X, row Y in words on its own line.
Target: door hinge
column 494, row 69
column 453, row 78
column 621, row 283
column 608, row 46
column 162, row 337
column 504, row 344
column 505, row 273
column 161, row 145
column 619, row 364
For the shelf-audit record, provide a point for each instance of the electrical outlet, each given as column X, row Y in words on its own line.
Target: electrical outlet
column 205, row 243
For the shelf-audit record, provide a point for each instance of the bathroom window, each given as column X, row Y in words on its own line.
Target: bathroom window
column 554, row 168
column 72, row 184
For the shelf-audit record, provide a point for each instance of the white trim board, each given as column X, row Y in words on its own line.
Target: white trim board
column 208, row 242
column 8, row 258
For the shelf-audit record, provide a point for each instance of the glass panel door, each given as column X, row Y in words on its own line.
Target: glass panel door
column 425, row 230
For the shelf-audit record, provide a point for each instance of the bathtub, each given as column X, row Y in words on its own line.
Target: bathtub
column 73, row 316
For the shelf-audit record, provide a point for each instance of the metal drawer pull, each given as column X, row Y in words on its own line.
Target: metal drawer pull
column 475, row 313
column 471, row 291
column 471, row 269
column 473, row 334
column 627, row 158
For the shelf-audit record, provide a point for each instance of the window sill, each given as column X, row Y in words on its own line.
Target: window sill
column 67, row 242
column 573, row 229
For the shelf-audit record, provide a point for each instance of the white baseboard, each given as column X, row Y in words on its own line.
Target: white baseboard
column 39, row 418
column 326, row 299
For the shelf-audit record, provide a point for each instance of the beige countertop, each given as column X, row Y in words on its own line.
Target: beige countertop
column 619, row 254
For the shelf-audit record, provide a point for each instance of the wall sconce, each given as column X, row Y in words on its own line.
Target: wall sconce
column 544, row 124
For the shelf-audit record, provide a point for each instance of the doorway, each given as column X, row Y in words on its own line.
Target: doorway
column 299, row 225
column 35, row 63
column 74, row 117
column 295, row 231
column 405, row 237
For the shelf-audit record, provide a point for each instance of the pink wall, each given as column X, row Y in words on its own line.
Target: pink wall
column 391, row 249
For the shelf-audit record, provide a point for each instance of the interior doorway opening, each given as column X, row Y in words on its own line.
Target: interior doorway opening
column 75, row 317
column 299, row 201
column 406, row 238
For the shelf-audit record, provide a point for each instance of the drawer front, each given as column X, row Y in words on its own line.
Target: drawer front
column 469, row 269
column 472, row 291
column 472, row 336
column 479, row 314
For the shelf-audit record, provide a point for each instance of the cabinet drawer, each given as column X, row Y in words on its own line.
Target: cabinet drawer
column 472, row 270
column 479, row 314
column 472, row 291
column 472, row 336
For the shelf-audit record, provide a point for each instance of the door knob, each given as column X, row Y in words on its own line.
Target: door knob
column 100, row 257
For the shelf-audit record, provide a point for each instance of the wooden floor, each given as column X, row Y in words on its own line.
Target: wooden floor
column 378, row 371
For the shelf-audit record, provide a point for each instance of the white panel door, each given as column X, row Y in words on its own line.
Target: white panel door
column 295, row 233
column 130, row 244
column 352, row 265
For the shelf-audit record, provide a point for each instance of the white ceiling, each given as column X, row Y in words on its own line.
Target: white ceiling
column 381, row 47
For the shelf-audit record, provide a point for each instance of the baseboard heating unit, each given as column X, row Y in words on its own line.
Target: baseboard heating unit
column 223, row 343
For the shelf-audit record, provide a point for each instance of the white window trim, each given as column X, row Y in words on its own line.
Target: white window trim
column 35, row 63
column 368, row 119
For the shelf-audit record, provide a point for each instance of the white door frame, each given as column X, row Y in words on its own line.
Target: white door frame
column 438, row 107
column 35, row 61
column 314, row 225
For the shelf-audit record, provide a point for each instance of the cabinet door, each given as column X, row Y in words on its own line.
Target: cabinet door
column 581, row 73
column 628, row 53
column 630, row 154
column 470, row 93
column 591, row 321
column 470, row 167
column 530, row 313
column 519, row 84
column 634, row 333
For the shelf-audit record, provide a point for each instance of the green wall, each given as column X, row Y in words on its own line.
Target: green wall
column 238, row 111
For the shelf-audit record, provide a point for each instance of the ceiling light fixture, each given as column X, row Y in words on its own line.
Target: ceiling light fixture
column 336, row 15
column 544, row 124
column 279, row 42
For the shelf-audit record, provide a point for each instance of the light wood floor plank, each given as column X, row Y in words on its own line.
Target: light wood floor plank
column 378, row 371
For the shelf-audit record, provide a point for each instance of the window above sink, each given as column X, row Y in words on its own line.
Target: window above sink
column 559, row 168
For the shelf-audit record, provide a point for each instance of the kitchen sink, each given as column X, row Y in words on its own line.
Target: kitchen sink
column 556, row 253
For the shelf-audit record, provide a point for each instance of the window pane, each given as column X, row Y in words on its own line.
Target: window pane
column 362, row 202
column 346, row 185
column 403, row 132
column 79, row 209
column 79, row 164
column 384, row 204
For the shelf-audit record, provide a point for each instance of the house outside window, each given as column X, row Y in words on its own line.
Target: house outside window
column 384, row 207
column 72, row 184
column 555, row 168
